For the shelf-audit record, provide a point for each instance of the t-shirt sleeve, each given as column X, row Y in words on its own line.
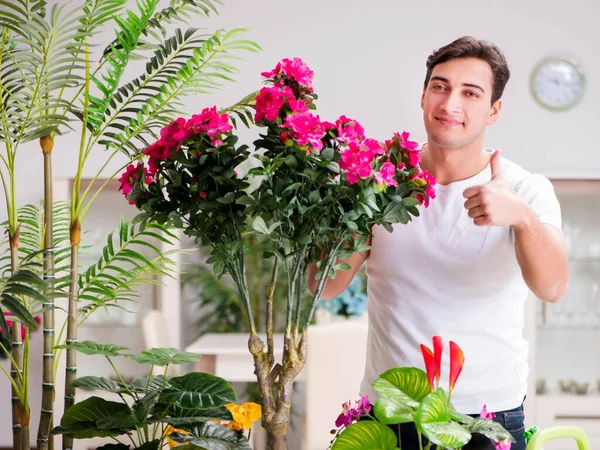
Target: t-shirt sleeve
column 538, row 191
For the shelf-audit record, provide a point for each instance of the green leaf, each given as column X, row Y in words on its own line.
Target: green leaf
column 210, row 436
column 165, row 356
column 411, row 381
column 178, row 416
column 433, row 419
column 104, row 384
column 80, row 420
column 392, row 406
column 94, row 348
column 366, row 435
column 198, row 390
column 117, row 446
column 259, row 225
column 491, row 430
column 157, row 383
column 152, row 445
column 410, row 201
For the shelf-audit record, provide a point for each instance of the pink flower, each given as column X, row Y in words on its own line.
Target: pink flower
column 484, row 414
column 160, row 150
column 306, row 129
column 130, row 177
column 385, row 177
column 174, row 133
column 503, row 445
column 349, row 130
column 23, row 328
column 202, row 194
column 294, row 69
column 350, row 415
column 356, row 162
column 424, row 178
column 152, row 166
column 270, row 100
column 212, row 123
column 405, row 142
column 375, row 146
column 414, row 158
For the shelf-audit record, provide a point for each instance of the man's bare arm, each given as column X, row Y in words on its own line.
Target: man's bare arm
column 337, row 285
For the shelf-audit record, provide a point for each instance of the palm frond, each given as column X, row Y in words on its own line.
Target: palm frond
column 15, row 13
column 180, row 11
column 24, row 284
column 244, row 110
column 117, row 57
column 98, row 12
column 123, row 266
column 41, row 64
column 31, row 241
column 154, row 98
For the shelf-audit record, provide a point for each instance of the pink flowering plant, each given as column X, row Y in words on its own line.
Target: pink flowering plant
column 318, row 188
column 409, row 394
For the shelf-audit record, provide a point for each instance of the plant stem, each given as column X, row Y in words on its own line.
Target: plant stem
column 47, row 144
column 269, row 318
column 17, row 357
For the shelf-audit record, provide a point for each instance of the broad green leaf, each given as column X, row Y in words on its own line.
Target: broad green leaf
column 152, row 445
column 118, row 446
column 198, row 390
column 411, row 381
column 393, row 406
column 260, row 226
column 410, row 201
column 157, row 383
column 489, row 429
column 94, row 348
column 104, row 384
column 366, row 435
column 80, row 420
column 434, row 420
column 210, row 436
column 176, row 416
column 165, row 356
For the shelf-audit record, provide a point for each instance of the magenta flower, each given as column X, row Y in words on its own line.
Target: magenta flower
column 426, row 179
column 350, row 415
column 484, row 414
column 174, row 133
column 503, row 445
column 294, row 69
column 270, row 100
column 349, row 130
column 23, row 328
column 356, row 162
column 375, row 146
column 160, row 150
column 212, row 123
column 306, row 129
column 130, row 177
column 385, row 177
column 405, row 142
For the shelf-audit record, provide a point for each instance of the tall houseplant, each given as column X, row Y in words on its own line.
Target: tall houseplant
column 49, row 82
column 321, row 187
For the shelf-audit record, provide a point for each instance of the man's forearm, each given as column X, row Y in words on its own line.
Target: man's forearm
column 542, row 256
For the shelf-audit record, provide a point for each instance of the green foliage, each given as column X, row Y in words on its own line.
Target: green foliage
column 187, row 402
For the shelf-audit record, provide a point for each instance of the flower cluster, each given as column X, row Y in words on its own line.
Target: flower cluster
column 244, row 416
column 350, row 415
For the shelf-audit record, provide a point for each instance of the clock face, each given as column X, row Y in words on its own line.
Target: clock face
column 557, row 83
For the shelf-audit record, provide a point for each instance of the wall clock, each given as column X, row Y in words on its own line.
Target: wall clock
column 557, row 83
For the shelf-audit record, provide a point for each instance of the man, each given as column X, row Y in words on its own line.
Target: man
column 463, row 269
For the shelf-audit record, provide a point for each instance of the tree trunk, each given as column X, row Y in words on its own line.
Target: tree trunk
column 277, row 442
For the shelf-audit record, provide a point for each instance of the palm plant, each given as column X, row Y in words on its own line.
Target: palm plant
column 48, row 80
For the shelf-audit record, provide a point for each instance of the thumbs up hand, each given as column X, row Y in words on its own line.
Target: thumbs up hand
column 495, row 203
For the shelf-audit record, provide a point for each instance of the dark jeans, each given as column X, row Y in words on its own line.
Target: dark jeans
column 512, row 420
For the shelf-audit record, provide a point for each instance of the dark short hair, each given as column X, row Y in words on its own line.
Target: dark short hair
column 470, row 47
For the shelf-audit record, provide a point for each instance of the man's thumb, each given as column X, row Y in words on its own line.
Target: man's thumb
column 495, row 165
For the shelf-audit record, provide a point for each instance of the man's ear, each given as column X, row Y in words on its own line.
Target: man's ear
column 423, row 99
column 495, row 112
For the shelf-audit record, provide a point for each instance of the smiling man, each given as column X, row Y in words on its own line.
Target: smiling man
column 464, row 267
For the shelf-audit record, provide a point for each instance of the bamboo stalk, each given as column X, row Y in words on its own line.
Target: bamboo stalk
column 71, row 370
column 47, row 144
column 16, row 353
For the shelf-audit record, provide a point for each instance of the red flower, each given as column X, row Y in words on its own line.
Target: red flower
column 457, row 361
column 429, row 364
column 438, row 347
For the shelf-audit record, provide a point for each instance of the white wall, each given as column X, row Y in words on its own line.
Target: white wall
column 369, row 63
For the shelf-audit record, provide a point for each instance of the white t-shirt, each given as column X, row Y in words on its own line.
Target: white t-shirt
column 442, row 275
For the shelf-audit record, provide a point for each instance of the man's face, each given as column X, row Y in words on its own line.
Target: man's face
column 457, row 103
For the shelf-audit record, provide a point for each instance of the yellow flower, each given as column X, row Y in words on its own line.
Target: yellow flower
column 245, row 414
column 170, row 441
